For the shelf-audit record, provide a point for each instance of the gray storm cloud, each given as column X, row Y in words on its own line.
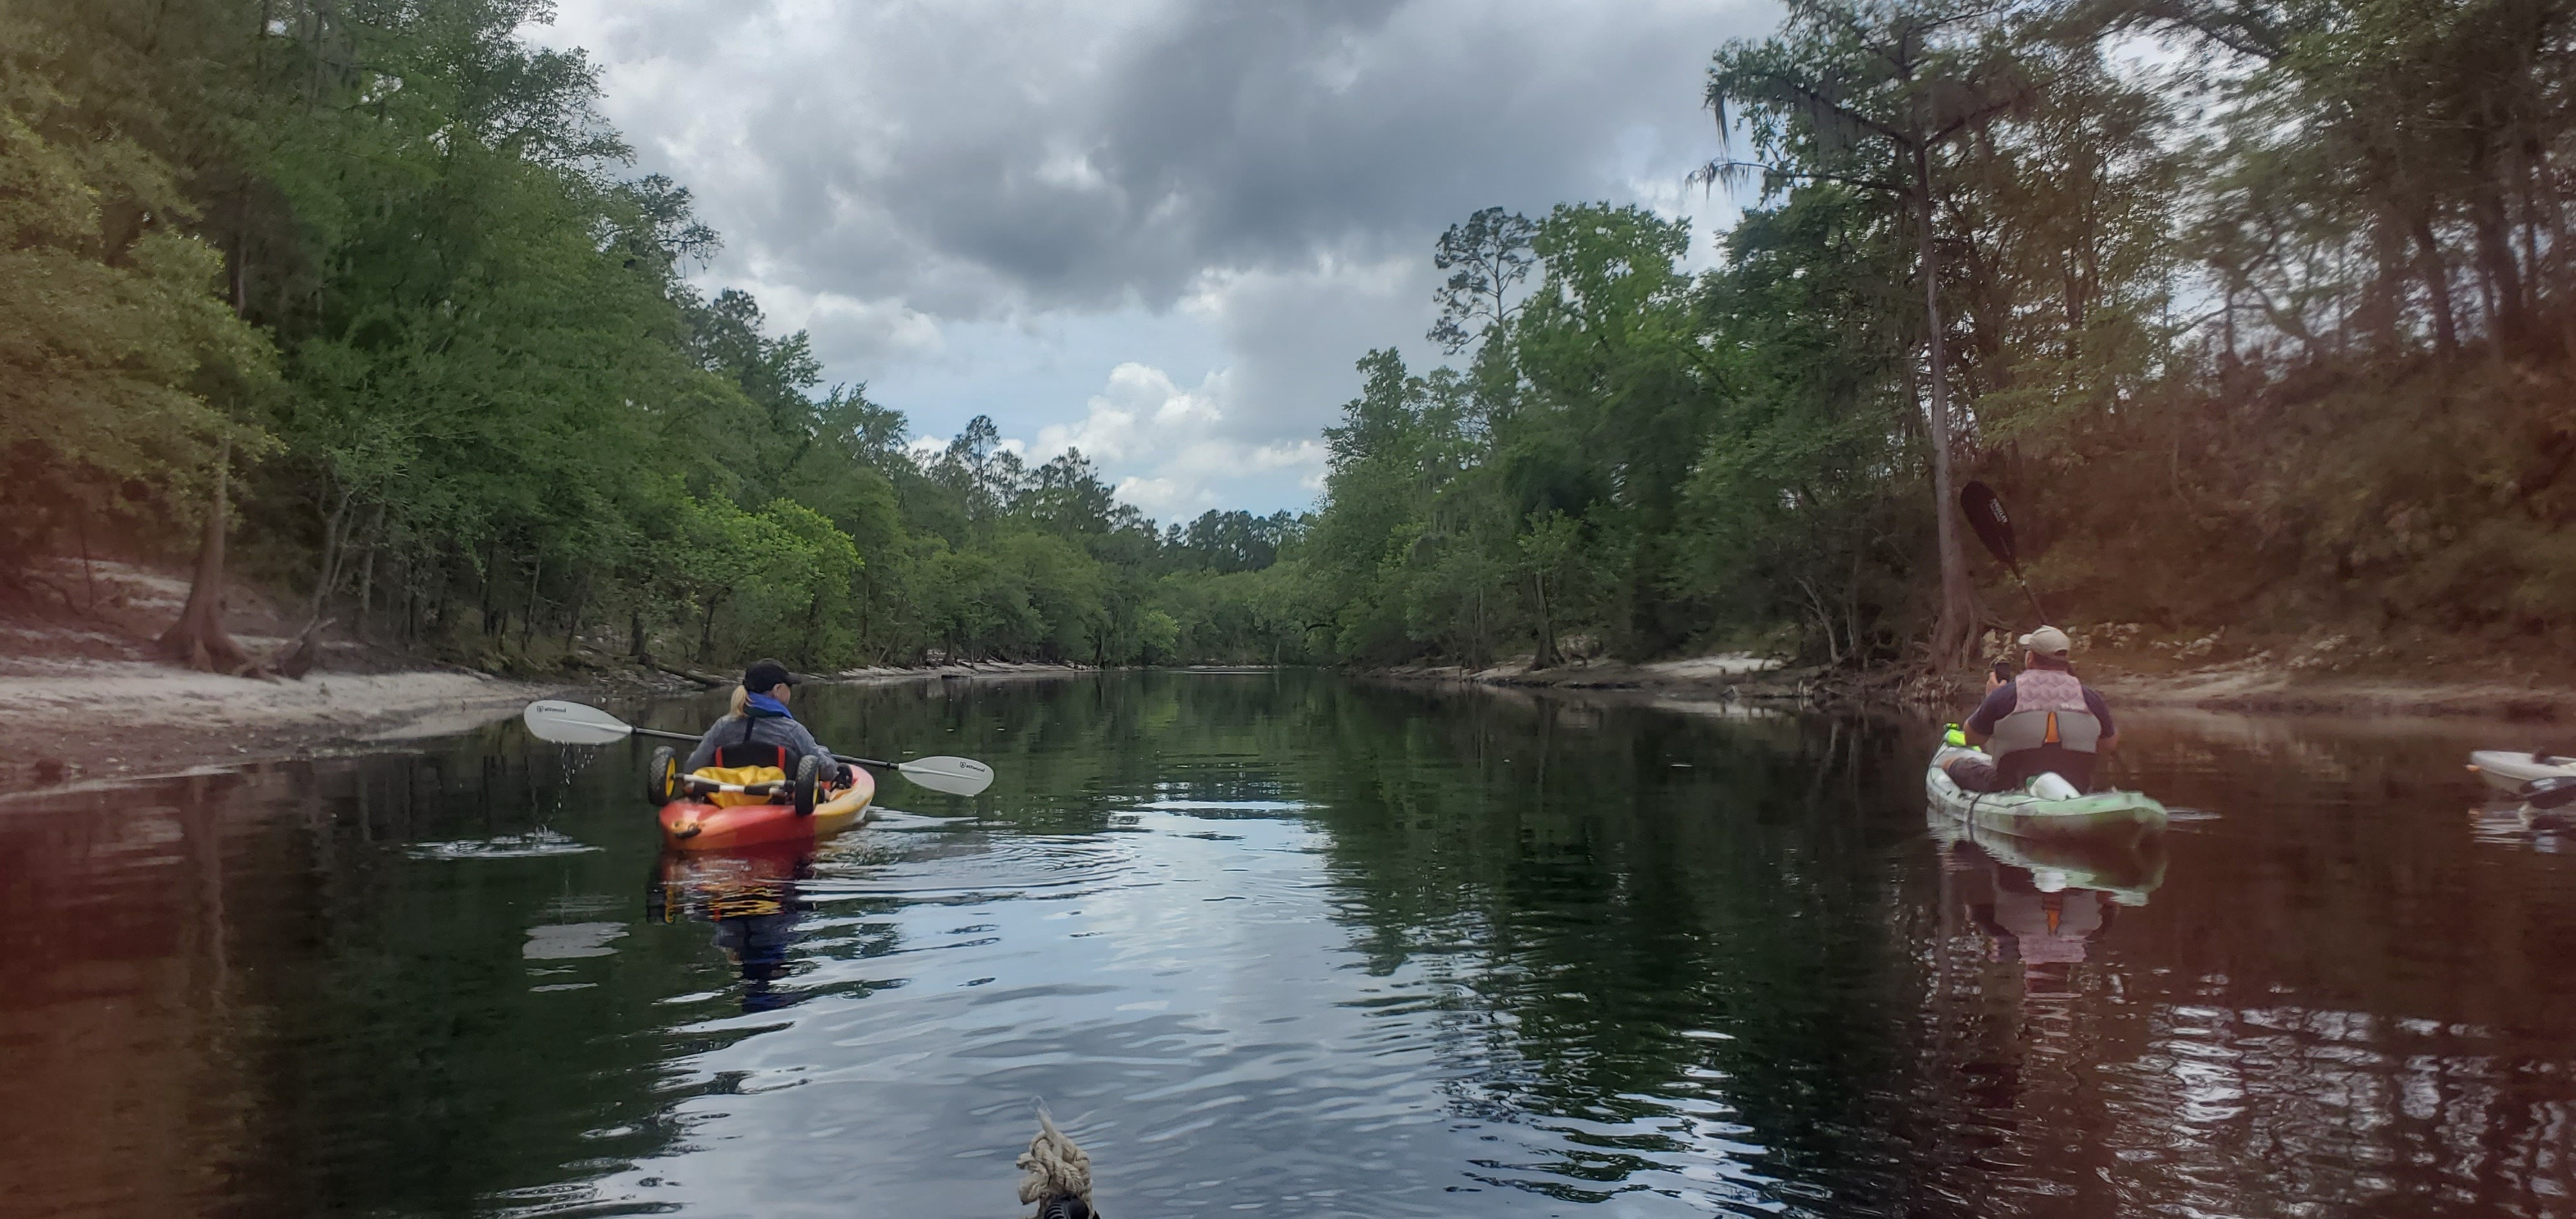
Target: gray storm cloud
column 1280, row 168
column 970, row 157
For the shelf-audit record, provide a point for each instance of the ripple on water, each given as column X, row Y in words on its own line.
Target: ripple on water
column 535, row 844
column 969, row 971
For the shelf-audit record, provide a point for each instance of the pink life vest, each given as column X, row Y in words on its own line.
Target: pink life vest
column 2048, row 709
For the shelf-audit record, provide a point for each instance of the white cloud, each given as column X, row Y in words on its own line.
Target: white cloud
column 852, row 330
column 1176, row 439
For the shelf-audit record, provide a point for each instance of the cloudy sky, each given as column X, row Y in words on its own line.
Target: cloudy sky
column 1159, row 230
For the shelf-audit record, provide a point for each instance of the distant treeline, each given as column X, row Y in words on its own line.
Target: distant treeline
column 377, row 259
column 2256, row 312
column 2270, row 333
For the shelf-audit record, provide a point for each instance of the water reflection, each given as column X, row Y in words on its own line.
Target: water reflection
column 2028, row 918
column 2120, row 873
column 1286, row 942
column 753, row 900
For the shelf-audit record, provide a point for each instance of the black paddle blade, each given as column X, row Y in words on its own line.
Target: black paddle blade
column 2556, row 791
column 1986, row 516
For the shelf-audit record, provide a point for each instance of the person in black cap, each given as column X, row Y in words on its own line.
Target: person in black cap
column 761, row 731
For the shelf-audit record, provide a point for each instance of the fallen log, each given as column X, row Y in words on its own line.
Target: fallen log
column 709, row 680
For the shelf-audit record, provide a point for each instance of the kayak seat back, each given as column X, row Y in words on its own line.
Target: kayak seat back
column 740, row 776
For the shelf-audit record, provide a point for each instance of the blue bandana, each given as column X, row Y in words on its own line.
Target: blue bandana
column 768, row 707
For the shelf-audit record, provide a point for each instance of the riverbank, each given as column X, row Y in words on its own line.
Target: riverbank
column 94, row 705
column 92, row 719
column 2258, row 683
column 90, row 703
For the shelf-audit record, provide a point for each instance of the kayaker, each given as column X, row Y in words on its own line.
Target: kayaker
column 2044, row 721
column 761, row 731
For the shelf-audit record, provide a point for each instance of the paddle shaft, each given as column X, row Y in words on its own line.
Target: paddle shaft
column 2026, row 590
column 838, row 757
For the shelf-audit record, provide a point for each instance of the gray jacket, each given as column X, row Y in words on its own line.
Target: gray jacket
column 763, row 730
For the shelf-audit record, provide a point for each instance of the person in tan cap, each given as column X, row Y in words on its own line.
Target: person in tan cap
column 2044, row 721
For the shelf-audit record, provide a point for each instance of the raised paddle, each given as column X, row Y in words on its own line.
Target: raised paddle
column 1994, row 528
column 580, row 724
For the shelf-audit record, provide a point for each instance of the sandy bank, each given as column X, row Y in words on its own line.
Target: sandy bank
column 2289, row 693
column 87, row 719
column 1748, row 675
column 2255, row 686
column 977, row 669
column 90, row 706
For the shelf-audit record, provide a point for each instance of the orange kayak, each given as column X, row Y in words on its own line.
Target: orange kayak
column 696, row 825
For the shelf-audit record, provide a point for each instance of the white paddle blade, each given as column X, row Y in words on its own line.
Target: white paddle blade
column 955, row 776
column 574, row 724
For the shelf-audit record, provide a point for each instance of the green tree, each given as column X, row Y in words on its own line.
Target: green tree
column 1871, row 93
column 1486, row 256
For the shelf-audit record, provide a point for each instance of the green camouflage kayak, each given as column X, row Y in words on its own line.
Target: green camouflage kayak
column 2107, row 816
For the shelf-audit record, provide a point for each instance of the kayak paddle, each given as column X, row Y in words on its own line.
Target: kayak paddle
column 1986, row 515
column 2552, row 791
column 579, row 724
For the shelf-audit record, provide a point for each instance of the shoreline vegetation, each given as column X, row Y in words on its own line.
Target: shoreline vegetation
column 150, row 720
column 361, row 312
column 141, row 717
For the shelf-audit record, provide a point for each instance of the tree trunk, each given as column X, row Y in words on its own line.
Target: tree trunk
column 491, row 583
column 197, row 639
column 335, row 548
column 367, row 573
column 2379, row 313
column 89, row 578
column 2496, row 264
column 580, row 602
column 1953, row 626
column 2495, row 244
column 2437, row 287
column 528, row 616
column 1545, row 657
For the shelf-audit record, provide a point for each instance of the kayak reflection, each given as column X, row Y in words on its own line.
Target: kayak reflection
column 2025, row 924
column 755, row 903
column 2041, row 902
column 2123, row 872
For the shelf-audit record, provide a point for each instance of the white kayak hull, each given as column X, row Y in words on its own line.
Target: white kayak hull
column 2107, row 817
column 2509, row 770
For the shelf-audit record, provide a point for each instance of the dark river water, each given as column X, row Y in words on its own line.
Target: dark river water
column 1294, row 944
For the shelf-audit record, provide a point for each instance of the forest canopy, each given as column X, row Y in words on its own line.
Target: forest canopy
column 2254, row 310
column 385, row 263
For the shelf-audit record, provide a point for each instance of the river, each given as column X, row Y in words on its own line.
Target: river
column 1304, row 945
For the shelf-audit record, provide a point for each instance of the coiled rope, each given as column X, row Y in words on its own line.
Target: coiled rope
column 1053, row 1170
